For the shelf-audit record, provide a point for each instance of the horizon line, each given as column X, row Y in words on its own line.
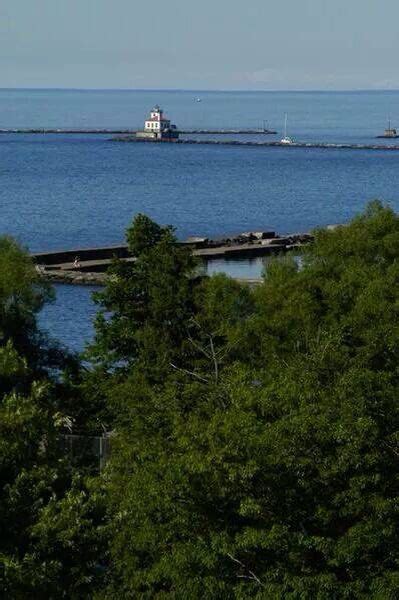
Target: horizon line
column 203, row 90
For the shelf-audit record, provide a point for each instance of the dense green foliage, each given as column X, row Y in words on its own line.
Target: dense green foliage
column 49, row 546
column 146, row 305
column 255, row 432
column 263, row 463
column 22, row 295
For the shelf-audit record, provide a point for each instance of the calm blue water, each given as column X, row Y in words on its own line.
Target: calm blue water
column 81, row 190
column 62, row 192
column 70, row 319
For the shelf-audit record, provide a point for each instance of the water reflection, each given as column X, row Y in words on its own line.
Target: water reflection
column 246, row 268
column 242, row 269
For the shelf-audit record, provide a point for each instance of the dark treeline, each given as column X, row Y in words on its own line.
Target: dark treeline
column 254, row 432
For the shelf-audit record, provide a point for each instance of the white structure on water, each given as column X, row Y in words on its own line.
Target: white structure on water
column 158, row 127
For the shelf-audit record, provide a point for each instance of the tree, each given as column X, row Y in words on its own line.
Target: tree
column 22, row 295
column 143, row 234
column 277, row 478
column 146, row 303
column 49, row 541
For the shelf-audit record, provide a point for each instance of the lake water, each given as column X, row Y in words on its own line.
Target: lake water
column 64, row 191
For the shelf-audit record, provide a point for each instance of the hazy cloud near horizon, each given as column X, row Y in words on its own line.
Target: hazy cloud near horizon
column 223, row 44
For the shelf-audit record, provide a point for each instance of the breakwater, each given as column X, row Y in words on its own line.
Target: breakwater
column 129, row 136
column 260, row 144
column 44, row 131
column 227, row 131
column 88, row 266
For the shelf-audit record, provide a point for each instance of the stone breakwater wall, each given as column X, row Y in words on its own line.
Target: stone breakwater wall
column 100, row 279
column 59, row 257
column 129, row 135
column 75, row 277
column 88, row 266
column 134, row 131
column 260, row 144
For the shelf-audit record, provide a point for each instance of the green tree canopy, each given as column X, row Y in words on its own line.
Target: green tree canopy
column 23, row 294
column 49, row 544
column 146, row 304
column 144, row 233
column 277, row 478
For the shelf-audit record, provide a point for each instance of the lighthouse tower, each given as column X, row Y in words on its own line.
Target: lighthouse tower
column 158, row 127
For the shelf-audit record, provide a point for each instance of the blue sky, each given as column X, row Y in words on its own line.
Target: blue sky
column 200, row 44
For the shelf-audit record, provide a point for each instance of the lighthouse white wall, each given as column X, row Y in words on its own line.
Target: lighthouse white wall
column 157, row 125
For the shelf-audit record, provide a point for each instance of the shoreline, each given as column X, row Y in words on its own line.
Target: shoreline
column 77, row 278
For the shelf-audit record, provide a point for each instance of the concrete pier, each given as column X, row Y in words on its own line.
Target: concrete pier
column 58, row 266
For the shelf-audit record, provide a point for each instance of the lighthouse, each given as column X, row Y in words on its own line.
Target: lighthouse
column 157, row 127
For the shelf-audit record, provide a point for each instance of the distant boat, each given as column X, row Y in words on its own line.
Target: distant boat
column 199, row 100
column 286, row 139
column 390, row 132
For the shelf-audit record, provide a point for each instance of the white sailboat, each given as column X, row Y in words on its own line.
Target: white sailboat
column 286, row 139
